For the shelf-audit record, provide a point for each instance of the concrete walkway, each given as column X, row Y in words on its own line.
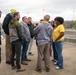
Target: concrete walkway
column 69, row 53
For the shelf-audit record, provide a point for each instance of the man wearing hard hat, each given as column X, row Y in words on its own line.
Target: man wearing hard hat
column 6, row 21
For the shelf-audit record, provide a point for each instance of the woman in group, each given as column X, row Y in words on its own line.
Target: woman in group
column 53, row 45
column 58, row 38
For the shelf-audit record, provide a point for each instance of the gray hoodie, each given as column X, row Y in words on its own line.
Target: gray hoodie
column 43, row 33
column 25, row 31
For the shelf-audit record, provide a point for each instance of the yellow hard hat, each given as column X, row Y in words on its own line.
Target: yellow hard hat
column 12, row 11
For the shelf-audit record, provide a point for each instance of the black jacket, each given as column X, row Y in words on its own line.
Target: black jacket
column 31, row 28
column 6, row 21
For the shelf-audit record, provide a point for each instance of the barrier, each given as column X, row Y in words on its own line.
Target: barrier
column 70, row 36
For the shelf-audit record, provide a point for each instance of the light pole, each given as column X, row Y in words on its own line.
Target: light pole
column 73, row 15
column 27, row 14
column 73, row 19
column 43, row 12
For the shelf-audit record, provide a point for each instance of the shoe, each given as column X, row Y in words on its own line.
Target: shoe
column 24, row 63
column 27, row 59
column 14, row 58
column 55, row 63
column 13, row 67
column 20, row 70
column 43, row 59
column 58, row 68
column 53, row 60
column 47, row 69
column 30, row 53
column 38, row 70
column 8, row 62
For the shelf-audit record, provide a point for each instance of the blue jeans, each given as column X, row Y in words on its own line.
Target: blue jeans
column 24, row 50
column 55, row 56
column 59, row 47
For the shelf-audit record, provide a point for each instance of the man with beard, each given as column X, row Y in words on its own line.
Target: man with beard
column 26, row 39
column 16, row 41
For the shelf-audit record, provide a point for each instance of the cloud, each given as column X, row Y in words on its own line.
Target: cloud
column 35, row 8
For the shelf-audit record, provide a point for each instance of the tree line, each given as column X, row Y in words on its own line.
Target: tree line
column 70, row 24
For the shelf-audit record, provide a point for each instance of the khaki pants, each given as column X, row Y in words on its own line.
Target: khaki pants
column 43, row 51
column 8, row 48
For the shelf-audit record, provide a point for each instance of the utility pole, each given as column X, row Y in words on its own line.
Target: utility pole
column 27, row 14
column 43, row 12
column 73, row 15
column 73, row 19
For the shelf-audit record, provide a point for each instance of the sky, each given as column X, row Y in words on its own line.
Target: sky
column 38, row 8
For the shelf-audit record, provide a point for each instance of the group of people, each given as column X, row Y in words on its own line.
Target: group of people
column 20, row 35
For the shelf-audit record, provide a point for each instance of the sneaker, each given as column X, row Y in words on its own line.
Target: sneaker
column 8, row 62
column 24, row 63
column 38, row 70
column 20, row 70
column 58, row 68
column 55, row 63
column 27, row 59
column 47, row 69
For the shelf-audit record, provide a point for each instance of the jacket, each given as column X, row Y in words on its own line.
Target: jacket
column 25, row 31
column 6, row 21
column 31, row 28
column 15, row 30
column 43, row 33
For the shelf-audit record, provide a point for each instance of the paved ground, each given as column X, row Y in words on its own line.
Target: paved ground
column 69, row 53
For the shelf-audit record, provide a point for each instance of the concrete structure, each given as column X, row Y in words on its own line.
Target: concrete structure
column 70, row 36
